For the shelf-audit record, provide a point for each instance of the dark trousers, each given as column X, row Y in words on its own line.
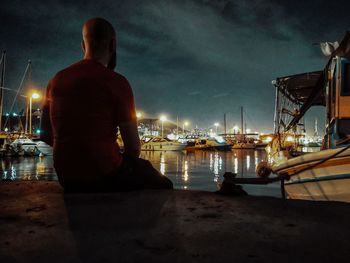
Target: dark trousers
column 133, row 174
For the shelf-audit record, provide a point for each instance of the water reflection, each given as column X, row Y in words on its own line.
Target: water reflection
column 196, row 170
column 203, row 170
column 27, row 168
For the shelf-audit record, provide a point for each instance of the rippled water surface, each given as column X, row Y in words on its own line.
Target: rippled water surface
column 201, row 170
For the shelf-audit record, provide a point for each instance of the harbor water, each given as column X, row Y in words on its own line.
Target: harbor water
column 200, row 170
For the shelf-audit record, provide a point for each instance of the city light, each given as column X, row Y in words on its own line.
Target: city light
column 183, row 126
column 35, row 95
column 268, row 139
column 139, row 114
column 290, row 139
column 216, row 124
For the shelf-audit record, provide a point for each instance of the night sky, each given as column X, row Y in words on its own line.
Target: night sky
column 195, row 59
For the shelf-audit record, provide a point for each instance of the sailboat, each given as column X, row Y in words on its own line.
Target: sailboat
column 243, row 142
column 323, row 175
column 13, row 144
column 315, row 140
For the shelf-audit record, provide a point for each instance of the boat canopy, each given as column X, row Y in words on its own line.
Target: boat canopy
column 308, row 89
column 304, row 90
column 299, row 88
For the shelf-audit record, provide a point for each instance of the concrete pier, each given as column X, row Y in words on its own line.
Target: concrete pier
column 39, row 223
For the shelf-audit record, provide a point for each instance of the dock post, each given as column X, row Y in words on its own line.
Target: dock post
column 283, row 191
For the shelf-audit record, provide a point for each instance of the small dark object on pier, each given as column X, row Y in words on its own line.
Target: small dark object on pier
column 229, row 188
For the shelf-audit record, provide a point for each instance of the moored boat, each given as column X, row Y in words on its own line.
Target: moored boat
column 244, row 145
column 323, row 175
column 209, row 144
column 26, row 145
column 161, row 144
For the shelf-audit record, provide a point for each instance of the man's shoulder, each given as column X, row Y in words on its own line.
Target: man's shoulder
column 76, row 69
column 66, row 71
column 120, row 77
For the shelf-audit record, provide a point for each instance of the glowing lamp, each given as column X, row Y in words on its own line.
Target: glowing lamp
column 35, row 95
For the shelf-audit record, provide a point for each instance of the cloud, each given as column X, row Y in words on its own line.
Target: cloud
column 193, row 93
column 170, row 50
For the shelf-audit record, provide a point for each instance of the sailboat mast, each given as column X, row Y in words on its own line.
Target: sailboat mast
column 242, row 128
column 2, row 85
column 28, row 69
column 316, row 128
column 225, row 123
column 277, row 113
column 177, row 126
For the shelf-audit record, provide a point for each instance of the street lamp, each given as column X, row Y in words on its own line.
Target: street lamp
column 138, row 114
column 183, row 126
column 163, row 119
column 33, row 96
column 216, row 124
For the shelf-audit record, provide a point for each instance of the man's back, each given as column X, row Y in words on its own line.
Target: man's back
column 87, row 103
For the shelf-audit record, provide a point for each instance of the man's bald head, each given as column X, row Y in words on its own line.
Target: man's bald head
column 99, row 38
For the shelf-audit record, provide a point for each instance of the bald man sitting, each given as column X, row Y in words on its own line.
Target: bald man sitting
column 85, row 105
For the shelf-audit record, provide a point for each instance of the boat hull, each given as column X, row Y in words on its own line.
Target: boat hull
column 209, row 148
column 328, row 182
column 243, row 146
column 220, row 148
column 314, row 179
column 157, row 147
column 44, row 148
column 330, row 189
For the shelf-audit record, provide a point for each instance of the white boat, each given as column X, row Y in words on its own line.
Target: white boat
column 243, row 142
column 27, row 145
column 32, row 148
column 44, row 148
column 323, row 175
column 209, row 144
column 161, row 144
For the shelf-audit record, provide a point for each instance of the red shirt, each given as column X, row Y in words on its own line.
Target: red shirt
column 86, row 103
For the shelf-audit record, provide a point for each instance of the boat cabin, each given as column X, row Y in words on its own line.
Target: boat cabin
column 338, row 103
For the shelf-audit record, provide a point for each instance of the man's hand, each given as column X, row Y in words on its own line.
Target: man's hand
column 130, row 136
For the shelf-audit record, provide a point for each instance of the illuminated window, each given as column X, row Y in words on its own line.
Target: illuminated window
column 345, row 89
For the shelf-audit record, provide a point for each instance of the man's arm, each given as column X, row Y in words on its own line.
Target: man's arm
column 46, row 129
column 127, row 120
column 130, row 136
